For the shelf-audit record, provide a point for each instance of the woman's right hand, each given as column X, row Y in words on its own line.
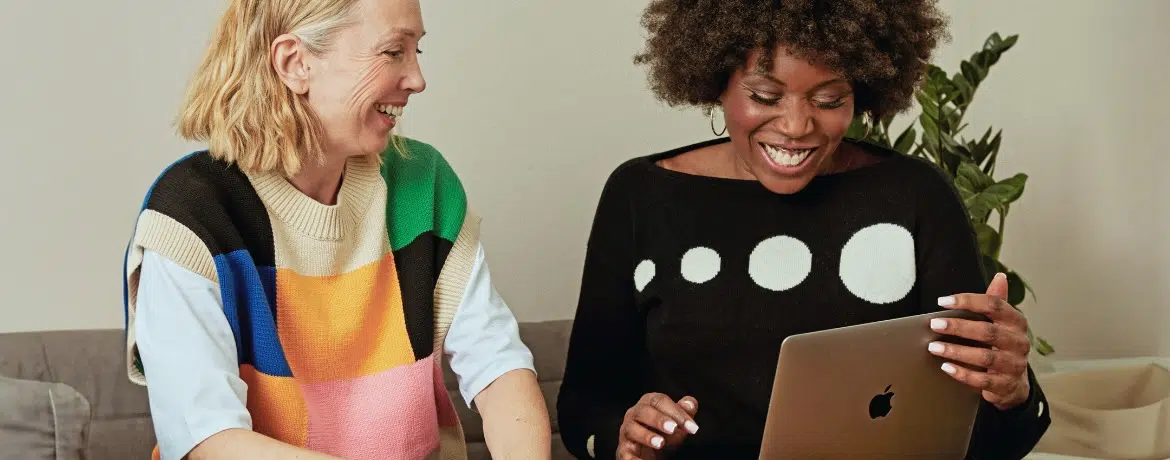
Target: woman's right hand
column 656, row 425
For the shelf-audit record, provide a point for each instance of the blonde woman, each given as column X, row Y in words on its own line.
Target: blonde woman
column 292, row 290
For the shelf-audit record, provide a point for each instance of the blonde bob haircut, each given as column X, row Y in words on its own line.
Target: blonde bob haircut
column 236, row 102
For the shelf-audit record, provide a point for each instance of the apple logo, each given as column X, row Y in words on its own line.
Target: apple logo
column 881, row 405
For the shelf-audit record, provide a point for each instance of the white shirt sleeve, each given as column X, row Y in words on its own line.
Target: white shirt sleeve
column 189, row 356
column 483, row 341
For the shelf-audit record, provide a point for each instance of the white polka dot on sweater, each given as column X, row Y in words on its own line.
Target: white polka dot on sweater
column 700, row 265
column 643, row 274
column 877, row 263
column 780, row 263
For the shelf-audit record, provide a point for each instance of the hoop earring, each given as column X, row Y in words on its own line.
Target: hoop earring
column 717, row 134
column 868, row 120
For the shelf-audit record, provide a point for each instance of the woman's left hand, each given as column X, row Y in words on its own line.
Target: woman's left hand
column 1005, row 383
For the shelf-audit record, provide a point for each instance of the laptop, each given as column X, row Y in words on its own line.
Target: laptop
column 870, row 391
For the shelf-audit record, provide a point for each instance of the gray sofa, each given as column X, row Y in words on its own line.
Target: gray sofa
column 52, row 381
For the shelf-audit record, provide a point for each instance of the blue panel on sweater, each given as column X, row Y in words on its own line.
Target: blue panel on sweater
column 249, row 302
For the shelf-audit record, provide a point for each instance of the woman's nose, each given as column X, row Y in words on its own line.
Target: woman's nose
column 414, row 81
column 794, row 120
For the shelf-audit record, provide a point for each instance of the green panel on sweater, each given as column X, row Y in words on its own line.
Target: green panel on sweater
column 424, row 194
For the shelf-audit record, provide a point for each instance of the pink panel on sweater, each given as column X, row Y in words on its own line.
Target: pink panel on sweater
column 390, row 414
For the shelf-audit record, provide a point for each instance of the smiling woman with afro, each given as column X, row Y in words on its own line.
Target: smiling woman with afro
column 703, row 258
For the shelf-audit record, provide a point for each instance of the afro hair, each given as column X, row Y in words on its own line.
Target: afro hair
column 882, row 47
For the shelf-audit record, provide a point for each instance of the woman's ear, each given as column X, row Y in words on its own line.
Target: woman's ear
column 288, row 60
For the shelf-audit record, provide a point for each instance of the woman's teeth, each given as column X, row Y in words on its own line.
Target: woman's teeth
column 393, row 111
column 786, row 157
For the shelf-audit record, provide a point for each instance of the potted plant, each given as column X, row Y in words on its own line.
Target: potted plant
column 970, row 163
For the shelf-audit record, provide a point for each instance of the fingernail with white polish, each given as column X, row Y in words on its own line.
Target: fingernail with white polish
column 692, row 427
column 938, row 324
column 689, row 405
column 1000, row 275
column 657, row 442
column 935, row 347
column 946, row 301
column 948, row 368
column 669, row 426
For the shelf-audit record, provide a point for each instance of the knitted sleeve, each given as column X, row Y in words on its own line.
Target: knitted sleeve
column 607, row 340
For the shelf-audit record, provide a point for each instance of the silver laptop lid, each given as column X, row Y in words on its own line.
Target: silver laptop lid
column 870, row 391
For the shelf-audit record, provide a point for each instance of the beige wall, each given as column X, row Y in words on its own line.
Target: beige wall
column 535, row 102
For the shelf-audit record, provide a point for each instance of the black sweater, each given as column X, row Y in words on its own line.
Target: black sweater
column 691, row 283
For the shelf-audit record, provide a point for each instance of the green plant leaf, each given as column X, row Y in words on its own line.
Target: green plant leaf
column 992, row 40
column 906, row 140
column 946, row 141
column 929, row 126
column 950, row 152
column 998, row 45
column 965, row 188
column 973, row 75
column 989, row 239
column 935, row 73
column 1039, row 344
column 975, row 176
column 966, row 89
column 929, row 106
column 964, row 152
column 992, row 152
column 950, row 160
column 1008, row 190
column 980, row 206
column 979, row 150
column 930, row 142
column 1042, row 346
column 950, row 120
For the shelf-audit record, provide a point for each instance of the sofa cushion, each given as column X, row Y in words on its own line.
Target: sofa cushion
column 93, row 363
column 42, row 420
column 121, row 439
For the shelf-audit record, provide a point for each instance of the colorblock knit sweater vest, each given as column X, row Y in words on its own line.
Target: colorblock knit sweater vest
column 339, row 312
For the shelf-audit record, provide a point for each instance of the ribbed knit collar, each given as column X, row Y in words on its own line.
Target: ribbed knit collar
column 359, row 184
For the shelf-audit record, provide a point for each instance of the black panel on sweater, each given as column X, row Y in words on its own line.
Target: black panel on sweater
column 424, row 256
column 216, row 201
